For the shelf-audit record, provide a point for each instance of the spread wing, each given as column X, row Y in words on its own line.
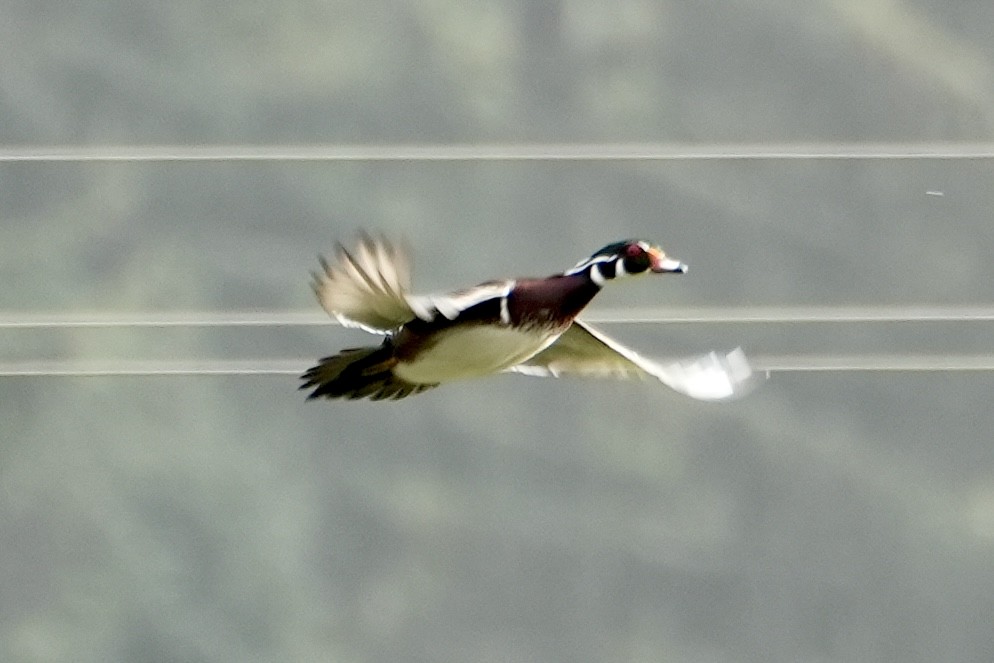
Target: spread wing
column 369, row 288
column 584, row 351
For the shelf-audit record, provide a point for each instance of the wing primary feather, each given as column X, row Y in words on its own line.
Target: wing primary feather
column 349, row 261
column 391, row 263
column 366, row 287
column 366, row 264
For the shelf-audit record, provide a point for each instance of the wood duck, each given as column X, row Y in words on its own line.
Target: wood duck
column 525, row 325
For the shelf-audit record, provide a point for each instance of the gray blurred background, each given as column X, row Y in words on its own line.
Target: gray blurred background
column 844, row 516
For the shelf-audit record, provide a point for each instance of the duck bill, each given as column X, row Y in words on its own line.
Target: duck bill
column 661, row 264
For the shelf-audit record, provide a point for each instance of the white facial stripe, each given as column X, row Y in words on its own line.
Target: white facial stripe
column 619, row 268
column 582, row 265
column 596, row 276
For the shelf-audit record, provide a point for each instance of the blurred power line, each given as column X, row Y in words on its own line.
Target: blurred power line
column 909, row 362
column 500, row 152
column 630, row 315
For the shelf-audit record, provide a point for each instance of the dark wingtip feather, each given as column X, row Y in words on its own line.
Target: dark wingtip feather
column 355, row 373
column 316, row 281
column 366, row 239
column 346, row 256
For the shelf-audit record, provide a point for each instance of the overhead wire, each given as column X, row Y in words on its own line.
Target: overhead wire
column 629, row 315
column 499, row 152
column 905, row 363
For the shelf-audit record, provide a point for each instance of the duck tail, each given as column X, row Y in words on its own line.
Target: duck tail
column 359, row 373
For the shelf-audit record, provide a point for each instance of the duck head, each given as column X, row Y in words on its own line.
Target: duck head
column 627, row 258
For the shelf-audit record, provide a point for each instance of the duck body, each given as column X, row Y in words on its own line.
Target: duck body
column 497, row 326
column 494, row 335
column 468, row 351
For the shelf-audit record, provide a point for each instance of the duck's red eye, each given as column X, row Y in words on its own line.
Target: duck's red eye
column 633, row 250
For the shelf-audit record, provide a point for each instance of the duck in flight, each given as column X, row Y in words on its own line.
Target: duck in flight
column 526, row 325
